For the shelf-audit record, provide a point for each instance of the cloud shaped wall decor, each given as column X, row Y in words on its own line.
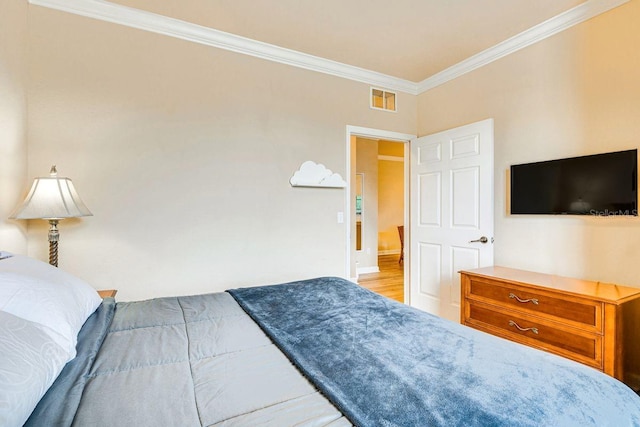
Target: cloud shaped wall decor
column 313, row 174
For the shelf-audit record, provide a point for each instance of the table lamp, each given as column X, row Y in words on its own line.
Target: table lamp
column 52, row 198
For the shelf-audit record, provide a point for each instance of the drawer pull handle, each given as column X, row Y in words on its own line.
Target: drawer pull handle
column 524, row 301
column 512, row 323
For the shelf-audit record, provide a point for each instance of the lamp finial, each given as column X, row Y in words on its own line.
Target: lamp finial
column 53, row 171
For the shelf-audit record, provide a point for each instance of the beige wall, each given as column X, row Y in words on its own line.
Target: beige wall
column 390, row 204
column 390, row 195
column 13, row 120
column 573, row 94
column 183, row 153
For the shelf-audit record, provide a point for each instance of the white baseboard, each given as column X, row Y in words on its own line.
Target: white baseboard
column 390, row 252
column 367, row 270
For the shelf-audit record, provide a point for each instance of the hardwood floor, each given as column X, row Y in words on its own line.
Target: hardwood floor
column 389, row 281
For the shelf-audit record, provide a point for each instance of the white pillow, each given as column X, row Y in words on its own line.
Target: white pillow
column 29, row 363
column 44, row 294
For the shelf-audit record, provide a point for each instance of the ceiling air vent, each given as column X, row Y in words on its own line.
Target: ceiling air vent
column 383, row 99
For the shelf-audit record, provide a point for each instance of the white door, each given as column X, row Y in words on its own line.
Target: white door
column 451, row 213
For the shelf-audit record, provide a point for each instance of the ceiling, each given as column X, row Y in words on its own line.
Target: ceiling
column 407, row 39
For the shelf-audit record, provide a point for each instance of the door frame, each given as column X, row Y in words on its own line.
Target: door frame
column 390, row 136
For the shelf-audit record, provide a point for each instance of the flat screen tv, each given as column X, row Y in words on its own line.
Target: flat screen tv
column 600, row 185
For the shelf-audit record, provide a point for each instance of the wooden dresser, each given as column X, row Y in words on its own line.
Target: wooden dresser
column 594, row 323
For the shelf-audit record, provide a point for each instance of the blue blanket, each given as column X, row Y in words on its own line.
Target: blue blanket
column 386, row 364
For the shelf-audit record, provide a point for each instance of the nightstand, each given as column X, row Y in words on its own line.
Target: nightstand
column 108, row 293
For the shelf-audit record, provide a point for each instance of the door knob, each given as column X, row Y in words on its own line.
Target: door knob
column 483, row 239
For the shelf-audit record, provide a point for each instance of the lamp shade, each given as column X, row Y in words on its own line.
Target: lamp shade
column 51, row 197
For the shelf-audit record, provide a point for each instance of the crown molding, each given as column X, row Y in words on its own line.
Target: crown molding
column 548, row 28
column 147, row 21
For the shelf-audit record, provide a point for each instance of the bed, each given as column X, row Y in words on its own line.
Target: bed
column 320, row 352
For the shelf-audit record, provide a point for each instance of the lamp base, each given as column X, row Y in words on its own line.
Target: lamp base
column 54, row 237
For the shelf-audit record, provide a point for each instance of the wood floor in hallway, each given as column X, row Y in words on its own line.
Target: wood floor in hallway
column 389, row 281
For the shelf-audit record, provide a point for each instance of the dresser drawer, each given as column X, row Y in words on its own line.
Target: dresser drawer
column 584, row 313
column 568, row 342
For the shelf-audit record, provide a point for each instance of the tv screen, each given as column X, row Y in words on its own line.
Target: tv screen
column 601, row 184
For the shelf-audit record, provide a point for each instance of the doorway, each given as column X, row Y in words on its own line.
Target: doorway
column 379, row 199
column 358, row 203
